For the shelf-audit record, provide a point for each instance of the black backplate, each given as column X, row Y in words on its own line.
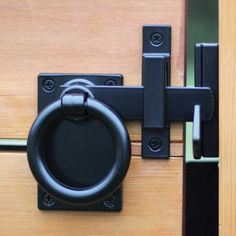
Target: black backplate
column 79, row 154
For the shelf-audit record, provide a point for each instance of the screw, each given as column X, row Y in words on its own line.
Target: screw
column 48, row 200
column 111, row 82
column 110, row 202
column 156, row 39
column 48, row 85
column 155, row 144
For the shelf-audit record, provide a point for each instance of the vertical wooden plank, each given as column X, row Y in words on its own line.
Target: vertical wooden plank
column 227, row 87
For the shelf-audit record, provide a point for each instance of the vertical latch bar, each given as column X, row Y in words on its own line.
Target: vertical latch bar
column 154, row 90
column 155, row 78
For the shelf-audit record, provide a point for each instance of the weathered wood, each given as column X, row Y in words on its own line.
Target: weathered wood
column 77, row 36
column 152, row 203
column 227, row 89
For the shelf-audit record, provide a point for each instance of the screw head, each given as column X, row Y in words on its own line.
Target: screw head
column 48, row 200
column 156, row 39
column 48, row 85
column 111, row 82
column 110, row 201
column 155, row 144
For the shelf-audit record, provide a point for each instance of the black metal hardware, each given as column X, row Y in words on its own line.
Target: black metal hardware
column 80, row 124
column 111, row 203
column 206, row 74
column 90, row 178
column 155, row 78
column 128, row 102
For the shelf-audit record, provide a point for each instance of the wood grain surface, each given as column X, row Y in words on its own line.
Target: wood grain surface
column 227, row 88
column 152, row 203
column 93, row 36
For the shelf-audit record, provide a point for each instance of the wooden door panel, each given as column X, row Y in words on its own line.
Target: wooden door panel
column 94, row 36
column 152, row 203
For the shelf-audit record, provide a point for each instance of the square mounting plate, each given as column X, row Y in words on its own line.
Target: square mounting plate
column 50, row 87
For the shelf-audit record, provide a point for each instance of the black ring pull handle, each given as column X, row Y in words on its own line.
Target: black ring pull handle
column 77, row 105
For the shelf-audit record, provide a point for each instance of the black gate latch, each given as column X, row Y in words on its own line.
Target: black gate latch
column 162, row 103
column 81, row 116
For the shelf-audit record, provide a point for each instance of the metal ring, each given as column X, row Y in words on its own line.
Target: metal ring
column 93, row 193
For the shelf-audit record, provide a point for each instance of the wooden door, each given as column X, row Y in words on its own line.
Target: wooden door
column 227, row 88
column 93, row 36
